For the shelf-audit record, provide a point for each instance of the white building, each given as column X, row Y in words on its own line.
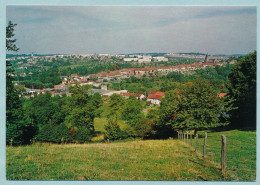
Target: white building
column 159, row 59
column 130, row 59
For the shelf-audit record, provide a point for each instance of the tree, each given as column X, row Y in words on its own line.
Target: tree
column 80, row 109
column 10, row 42
column 18, row 130
column 113, row 131
column 116, row 105
column 242, row 89
column 195, row 106
column 132, row 109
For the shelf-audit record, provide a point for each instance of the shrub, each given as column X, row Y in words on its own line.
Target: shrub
column 63, row 133
column 13, row 134
column 83, row 135
column 139, row 127
column 53, row 133
column 113, row 131
column 45, row 133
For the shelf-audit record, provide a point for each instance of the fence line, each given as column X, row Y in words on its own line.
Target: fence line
column 185, row 138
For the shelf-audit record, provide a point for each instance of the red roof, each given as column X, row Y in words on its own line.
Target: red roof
column 221, row 95
column 154, row 96
column 146, row 69
column 156, row 93
column 127, row 94
column 130, row 94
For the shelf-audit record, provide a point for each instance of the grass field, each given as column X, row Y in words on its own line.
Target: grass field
column 132, row 160
column 100, row 122
column 241, row 152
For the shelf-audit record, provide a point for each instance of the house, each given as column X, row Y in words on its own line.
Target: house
column 233, row 62
column 159, row 59
column 41, row 92
column 155, row 97
column 126, row 73
column 128, row 94
column 139, row 96
column 165, row 70
column 74, row 75
column 61, row 86
column 23, row 74
column 221, row 95
column 130, row 59
column 106, row 93
column 139, row 72
column 90, row 82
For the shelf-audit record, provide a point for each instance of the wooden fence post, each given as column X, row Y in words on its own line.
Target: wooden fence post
column 197, row 143
column 205, row 143
column 184, row 137
column 178, row 135
column 223, row 154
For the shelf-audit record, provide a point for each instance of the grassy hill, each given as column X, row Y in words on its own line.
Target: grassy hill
column 241, row 152
column 133, row 160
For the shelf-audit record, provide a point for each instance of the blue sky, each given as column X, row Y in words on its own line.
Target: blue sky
column 131, row 29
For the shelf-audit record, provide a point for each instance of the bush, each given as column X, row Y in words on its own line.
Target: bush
column 46, row 133
column 83, row 135
column 63, row 133
column 53, row 133
column 13, row 134
column 139, row 128
column 113, row 131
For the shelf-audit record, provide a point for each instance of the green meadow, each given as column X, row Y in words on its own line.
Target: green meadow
column 163, row 160
column 168, row 160
column 241, row 152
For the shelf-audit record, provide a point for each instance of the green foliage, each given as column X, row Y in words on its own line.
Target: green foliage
column 62, row 133
column 195, row 106
column 132, row 109
column 64, row 119
column 141, row 127
column 242, row 89
column 116, row 105
column 14, row 133
column 18, row 129
column 10, row 42
column 47, row 134
column 83, row 135
column 53, row 133
column 80, row 108
column 113, row 131
column 208, row 73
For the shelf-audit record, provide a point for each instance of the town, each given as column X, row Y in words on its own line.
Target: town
column 102, row 79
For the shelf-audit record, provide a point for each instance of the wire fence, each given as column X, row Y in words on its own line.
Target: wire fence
column 238, row 159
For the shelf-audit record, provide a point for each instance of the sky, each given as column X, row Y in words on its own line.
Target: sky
column 134, row 29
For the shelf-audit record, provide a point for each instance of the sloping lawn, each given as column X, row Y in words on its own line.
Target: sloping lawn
column 168, row 160
column 241, row 152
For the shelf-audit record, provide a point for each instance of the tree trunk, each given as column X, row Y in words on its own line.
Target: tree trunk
column 195, row 131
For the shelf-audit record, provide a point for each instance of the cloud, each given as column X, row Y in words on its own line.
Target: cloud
column 124, row 29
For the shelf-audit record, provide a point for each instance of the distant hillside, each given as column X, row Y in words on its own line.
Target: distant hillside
column 193, row 53
column 151, row 54
column 27, row 55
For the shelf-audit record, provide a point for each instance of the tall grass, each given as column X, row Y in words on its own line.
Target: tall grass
column 241, row 152
column 133, row 160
